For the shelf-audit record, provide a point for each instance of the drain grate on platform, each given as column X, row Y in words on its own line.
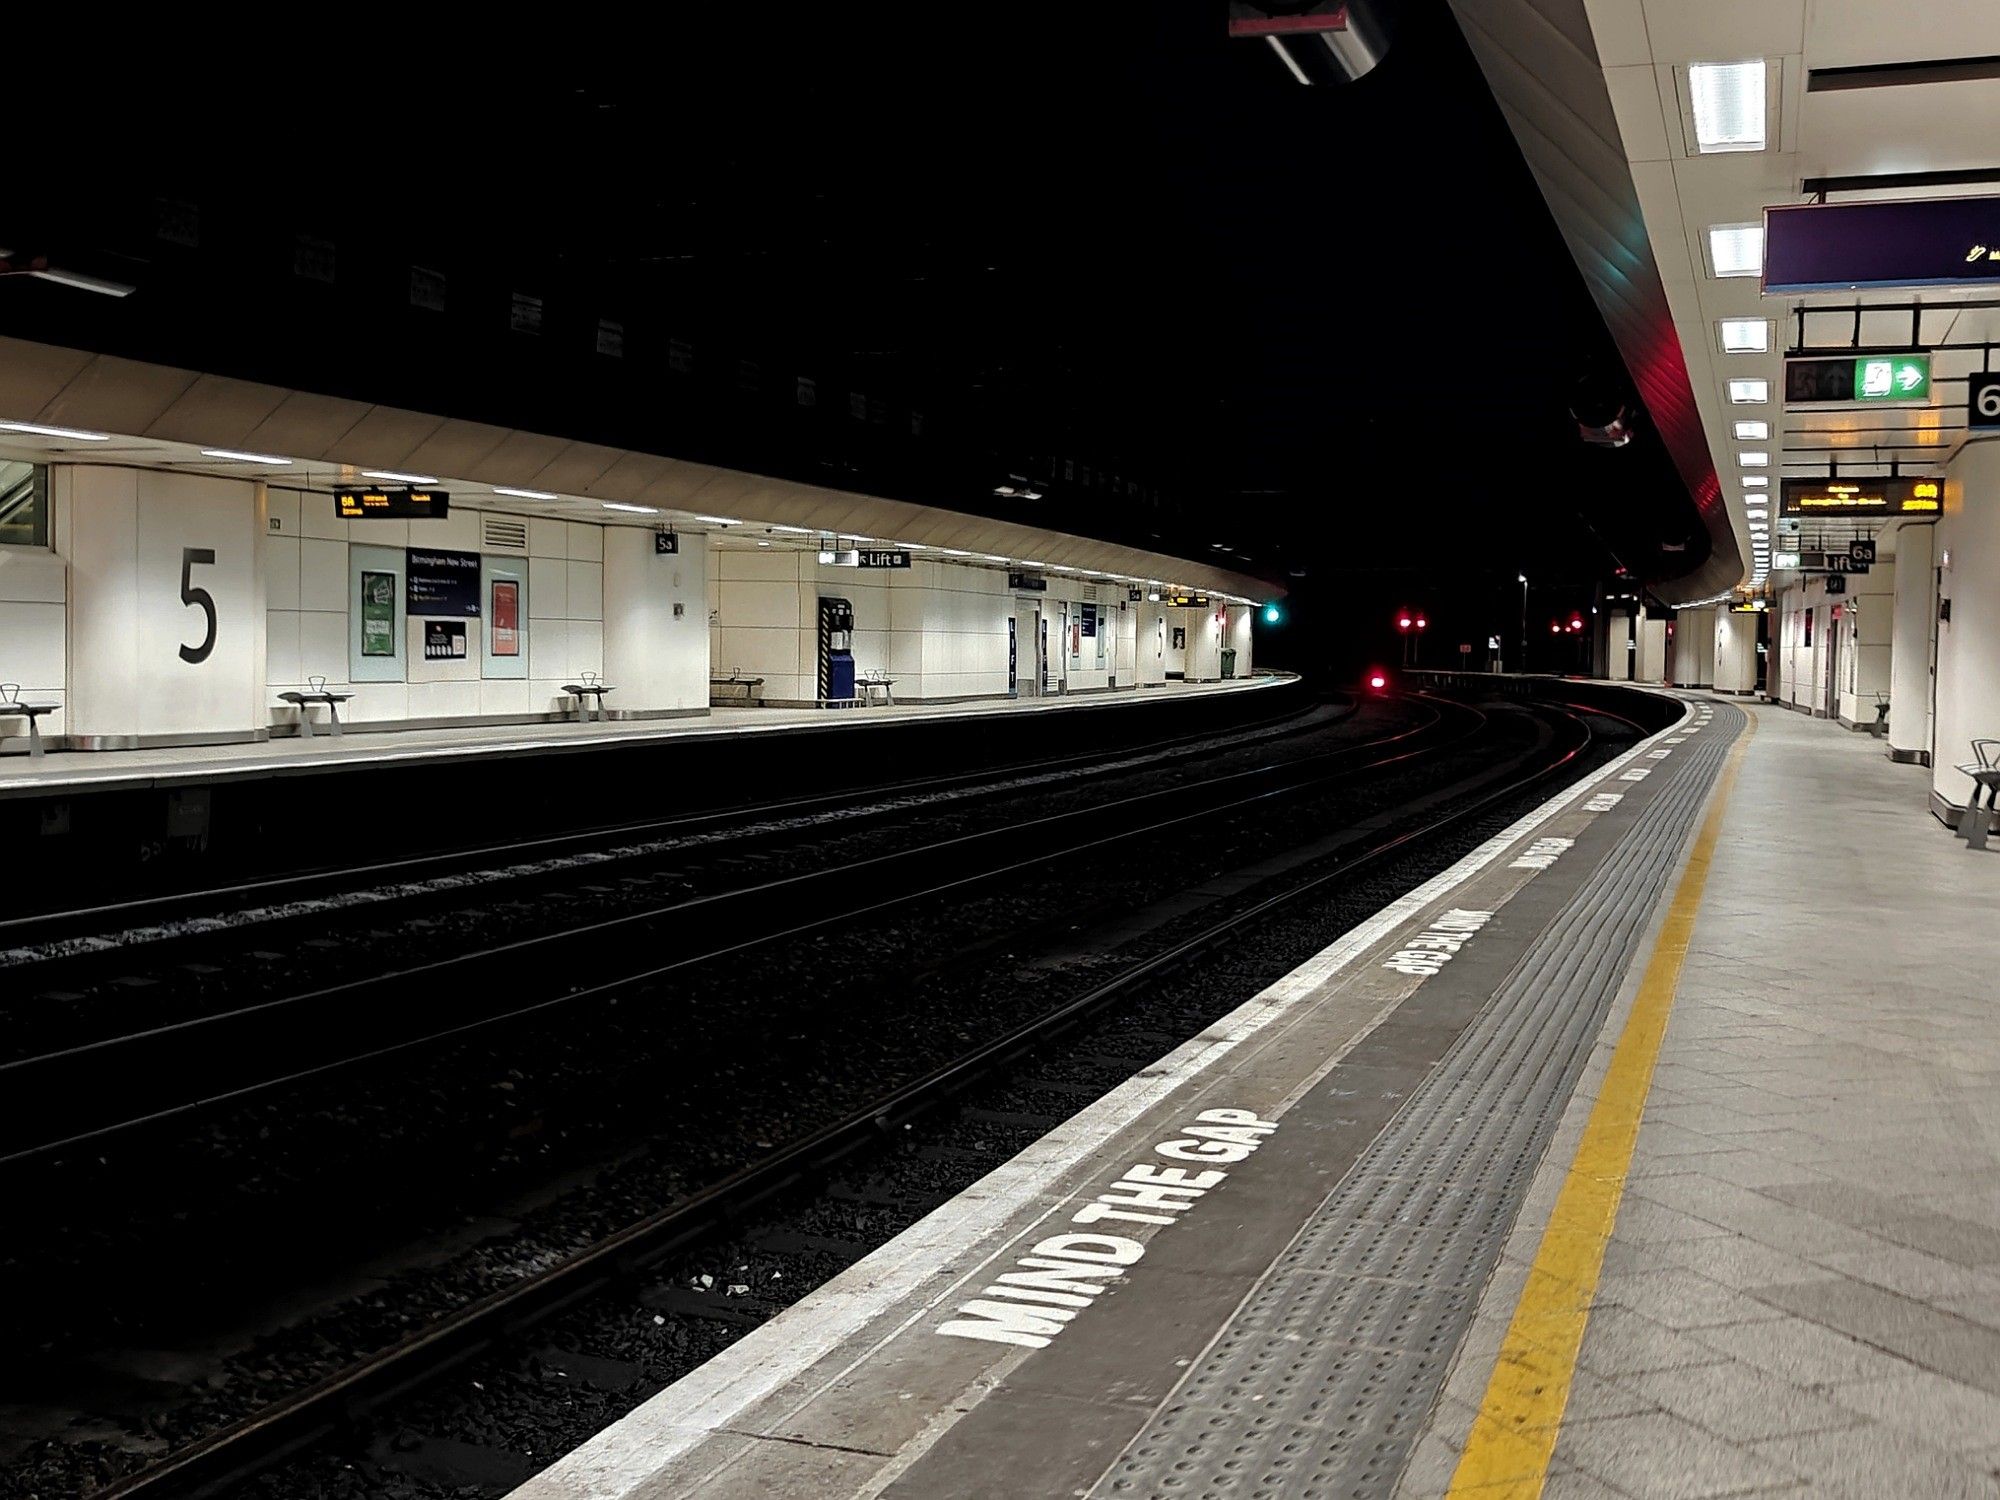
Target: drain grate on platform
column 1323, row 1383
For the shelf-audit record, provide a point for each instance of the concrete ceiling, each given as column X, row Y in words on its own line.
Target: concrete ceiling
column 1636, row 202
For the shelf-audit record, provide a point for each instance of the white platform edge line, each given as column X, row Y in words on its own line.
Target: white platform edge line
column 715, row 1394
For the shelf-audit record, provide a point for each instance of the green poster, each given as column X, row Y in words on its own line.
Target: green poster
column 378, row 614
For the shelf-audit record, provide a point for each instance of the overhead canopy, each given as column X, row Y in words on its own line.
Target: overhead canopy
column 157, row 416
column 1542, row 61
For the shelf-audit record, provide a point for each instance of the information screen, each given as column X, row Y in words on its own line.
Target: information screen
column 1900, row 496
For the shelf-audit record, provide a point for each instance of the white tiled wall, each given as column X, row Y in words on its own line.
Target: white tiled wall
column 937, row 629
column 34, row 632
column 306, row 626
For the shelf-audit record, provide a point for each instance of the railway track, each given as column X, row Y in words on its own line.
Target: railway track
column 62, row 1098
column 614, row 1259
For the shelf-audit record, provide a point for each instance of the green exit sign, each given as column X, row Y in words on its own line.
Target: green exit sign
column 1858, row 377
column 1892, row 377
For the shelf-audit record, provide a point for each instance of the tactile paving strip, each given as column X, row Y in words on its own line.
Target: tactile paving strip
column 1322, row 1383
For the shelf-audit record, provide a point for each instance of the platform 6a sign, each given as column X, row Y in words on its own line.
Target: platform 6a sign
column 881, row 559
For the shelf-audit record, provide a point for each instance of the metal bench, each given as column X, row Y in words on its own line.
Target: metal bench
column 315, row 692
column 13, row 706
column 864, row 689
column 736, row 688
column 588, row 692
column 1984, row 769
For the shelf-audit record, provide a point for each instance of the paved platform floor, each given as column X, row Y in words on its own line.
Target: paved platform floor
column 1801, row 1294
column 374, row 747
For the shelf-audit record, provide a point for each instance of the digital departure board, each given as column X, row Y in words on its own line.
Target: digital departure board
column 1895, row 496
column 366, row 504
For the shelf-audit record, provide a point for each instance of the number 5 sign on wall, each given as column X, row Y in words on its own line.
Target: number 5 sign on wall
column 192, row 595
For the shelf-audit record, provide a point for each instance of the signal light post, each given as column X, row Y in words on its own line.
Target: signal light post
column 1412, row 627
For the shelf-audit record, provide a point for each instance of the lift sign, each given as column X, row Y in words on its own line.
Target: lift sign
column 1063, row 1274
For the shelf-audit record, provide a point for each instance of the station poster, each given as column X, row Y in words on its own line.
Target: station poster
column 443, row 583
column 506, row 617
column 444, row 640
column 378, row 614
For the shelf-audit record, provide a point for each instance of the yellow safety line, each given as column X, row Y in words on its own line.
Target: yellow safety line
column 1506, row 1455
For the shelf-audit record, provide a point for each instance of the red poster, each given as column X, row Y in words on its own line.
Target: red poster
column 506, row 617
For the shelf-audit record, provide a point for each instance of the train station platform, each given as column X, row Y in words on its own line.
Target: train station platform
column 1394, row 1226
column 188, row 765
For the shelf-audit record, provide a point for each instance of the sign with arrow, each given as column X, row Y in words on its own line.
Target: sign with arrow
column 1870, row 379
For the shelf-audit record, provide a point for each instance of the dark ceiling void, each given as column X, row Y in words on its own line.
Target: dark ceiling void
column 1101, row 248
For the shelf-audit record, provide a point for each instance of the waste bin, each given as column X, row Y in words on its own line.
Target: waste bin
column 1228, row 662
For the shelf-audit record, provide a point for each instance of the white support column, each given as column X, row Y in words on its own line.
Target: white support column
column 1913, row 644
column 1735, row 652
column 655, row 622
column 1652, row 653
column 1968, row 656
column 1867, row 623
column 1694, row 648
column 166, row 606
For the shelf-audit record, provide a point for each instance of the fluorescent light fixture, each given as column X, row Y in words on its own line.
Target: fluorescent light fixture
column 236, row 457
column 1736, row 249
column 399, row 478
column 501, row 489
column 1285, row 56
column 83, row 283
column 792, row 530
column 1753, row 458
column 1746, row 335
column 1749, row 392
column 1730, row 112
column 36, row 429
column 954, row 552
column 636, row 510
column 1755, row 481
column 1785, row 560
column 719, row 520
column 1752, row 432
column 1757, row 513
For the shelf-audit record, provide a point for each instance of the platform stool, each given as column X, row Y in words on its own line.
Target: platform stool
column 1984, row 769
column 13, row 707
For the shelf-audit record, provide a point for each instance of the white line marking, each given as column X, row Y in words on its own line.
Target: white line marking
column 717, row 1394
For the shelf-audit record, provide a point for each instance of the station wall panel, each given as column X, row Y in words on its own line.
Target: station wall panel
column 166, row 609
column 1968, row 563
column 1868, row 621
column 1913, row 652
column 1152, row 637
column 656, row 659
column 34, row 632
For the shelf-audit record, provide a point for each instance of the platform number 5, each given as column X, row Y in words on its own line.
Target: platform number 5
column 192, row 595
